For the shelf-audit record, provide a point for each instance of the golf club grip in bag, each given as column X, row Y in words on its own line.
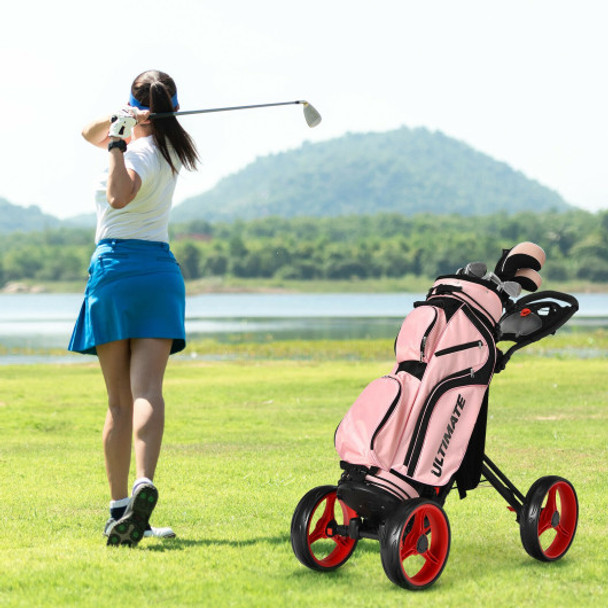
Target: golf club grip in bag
column 413, row 426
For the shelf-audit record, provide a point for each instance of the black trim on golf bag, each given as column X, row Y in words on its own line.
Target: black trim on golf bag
column 468, row 475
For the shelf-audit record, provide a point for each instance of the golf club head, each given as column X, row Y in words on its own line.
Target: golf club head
column 490, row 276
column 476, row 269
column 512, row 288
column 313, row 118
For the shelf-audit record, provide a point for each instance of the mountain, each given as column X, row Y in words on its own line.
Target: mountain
column 14, row 218
column 404, row 170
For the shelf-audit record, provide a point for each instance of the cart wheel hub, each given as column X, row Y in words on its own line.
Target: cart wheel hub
column 422, row 545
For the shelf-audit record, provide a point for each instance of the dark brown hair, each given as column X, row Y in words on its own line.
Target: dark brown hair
column 155, row 89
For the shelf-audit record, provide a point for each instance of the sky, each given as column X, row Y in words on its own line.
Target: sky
column 523, row 81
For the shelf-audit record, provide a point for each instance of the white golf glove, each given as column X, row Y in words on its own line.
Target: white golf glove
column 122, row 124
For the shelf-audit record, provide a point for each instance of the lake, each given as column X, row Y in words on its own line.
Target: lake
column 38, row 322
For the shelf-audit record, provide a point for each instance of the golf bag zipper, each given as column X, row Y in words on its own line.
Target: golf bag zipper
column 426, row 335
column 390, row 410
column 458, row 348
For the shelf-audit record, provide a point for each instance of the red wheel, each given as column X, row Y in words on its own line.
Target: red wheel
column 313, row 530
column 415, row 544
column 548, row 519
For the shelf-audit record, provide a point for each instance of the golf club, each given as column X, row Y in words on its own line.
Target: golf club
column 474, row 269
column 511, row 288
column 312, row 117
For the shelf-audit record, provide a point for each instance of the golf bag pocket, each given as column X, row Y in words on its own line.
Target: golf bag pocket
column 419, row 333
column 370, row 431
column 444, row 430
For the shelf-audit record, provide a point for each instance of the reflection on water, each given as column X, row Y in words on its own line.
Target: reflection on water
column 24, row 340
column 254, row 330
column 31, row 325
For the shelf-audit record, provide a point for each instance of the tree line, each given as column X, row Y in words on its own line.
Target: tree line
column 339, row 248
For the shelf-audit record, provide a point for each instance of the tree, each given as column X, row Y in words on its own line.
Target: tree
column 189, row 258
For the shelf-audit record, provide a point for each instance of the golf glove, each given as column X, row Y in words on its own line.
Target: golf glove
column 121, row 124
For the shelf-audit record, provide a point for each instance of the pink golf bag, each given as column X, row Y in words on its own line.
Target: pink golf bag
column 414, row 424
column 418, row 432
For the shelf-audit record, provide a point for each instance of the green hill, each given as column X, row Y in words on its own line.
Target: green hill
column 14, row 218
column 404, row 171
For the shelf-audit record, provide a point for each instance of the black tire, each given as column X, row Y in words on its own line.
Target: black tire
column 549, row 518
column 415, row 544
column 312, row 537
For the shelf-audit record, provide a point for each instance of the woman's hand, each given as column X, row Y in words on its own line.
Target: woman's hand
column 141, row 116
column 96, row 132
column 121, row 124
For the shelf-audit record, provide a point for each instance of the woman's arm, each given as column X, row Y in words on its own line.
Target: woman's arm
column 96, row 132
column 123, row 183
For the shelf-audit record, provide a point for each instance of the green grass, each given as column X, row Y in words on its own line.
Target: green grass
column 244, row 441
column 568, row 343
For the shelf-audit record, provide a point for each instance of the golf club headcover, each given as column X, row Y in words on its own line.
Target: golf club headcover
column 528, row 278
column 121, row 124
column 523, row 255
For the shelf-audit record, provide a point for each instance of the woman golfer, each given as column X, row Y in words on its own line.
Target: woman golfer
column 133, row 311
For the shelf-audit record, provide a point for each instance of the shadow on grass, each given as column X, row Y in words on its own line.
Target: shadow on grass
column 179, row 544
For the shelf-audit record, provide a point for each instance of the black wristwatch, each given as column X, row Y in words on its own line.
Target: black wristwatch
column 121, row 144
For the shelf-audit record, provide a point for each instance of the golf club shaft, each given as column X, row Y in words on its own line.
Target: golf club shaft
column 208, row 110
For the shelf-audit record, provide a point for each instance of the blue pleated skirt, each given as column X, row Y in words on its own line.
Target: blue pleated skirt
column 135, row 290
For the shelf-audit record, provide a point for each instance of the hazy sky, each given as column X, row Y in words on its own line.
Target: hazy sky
column 523, row 81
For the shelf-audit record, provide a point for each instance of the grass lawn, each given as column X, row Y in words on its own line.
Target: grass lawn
column 244, row 441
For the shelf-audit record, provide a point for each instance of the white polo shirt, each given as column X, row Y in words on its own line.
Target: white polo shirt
column 146, row 217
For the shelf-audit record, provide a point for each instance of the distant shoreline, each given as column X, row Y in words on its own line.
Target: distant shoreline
column 410, row 284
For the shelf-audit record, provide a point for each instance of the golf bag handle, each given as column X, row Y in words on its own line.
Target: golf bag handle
column 558, row 313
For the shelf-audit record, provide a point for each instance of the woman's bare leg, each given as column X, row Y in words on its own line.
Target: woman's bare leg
column 148, row 363
column 114, row 358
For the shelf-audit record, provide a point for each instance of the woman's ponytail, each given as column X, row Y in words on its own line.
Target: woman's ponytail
column 157, row 91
